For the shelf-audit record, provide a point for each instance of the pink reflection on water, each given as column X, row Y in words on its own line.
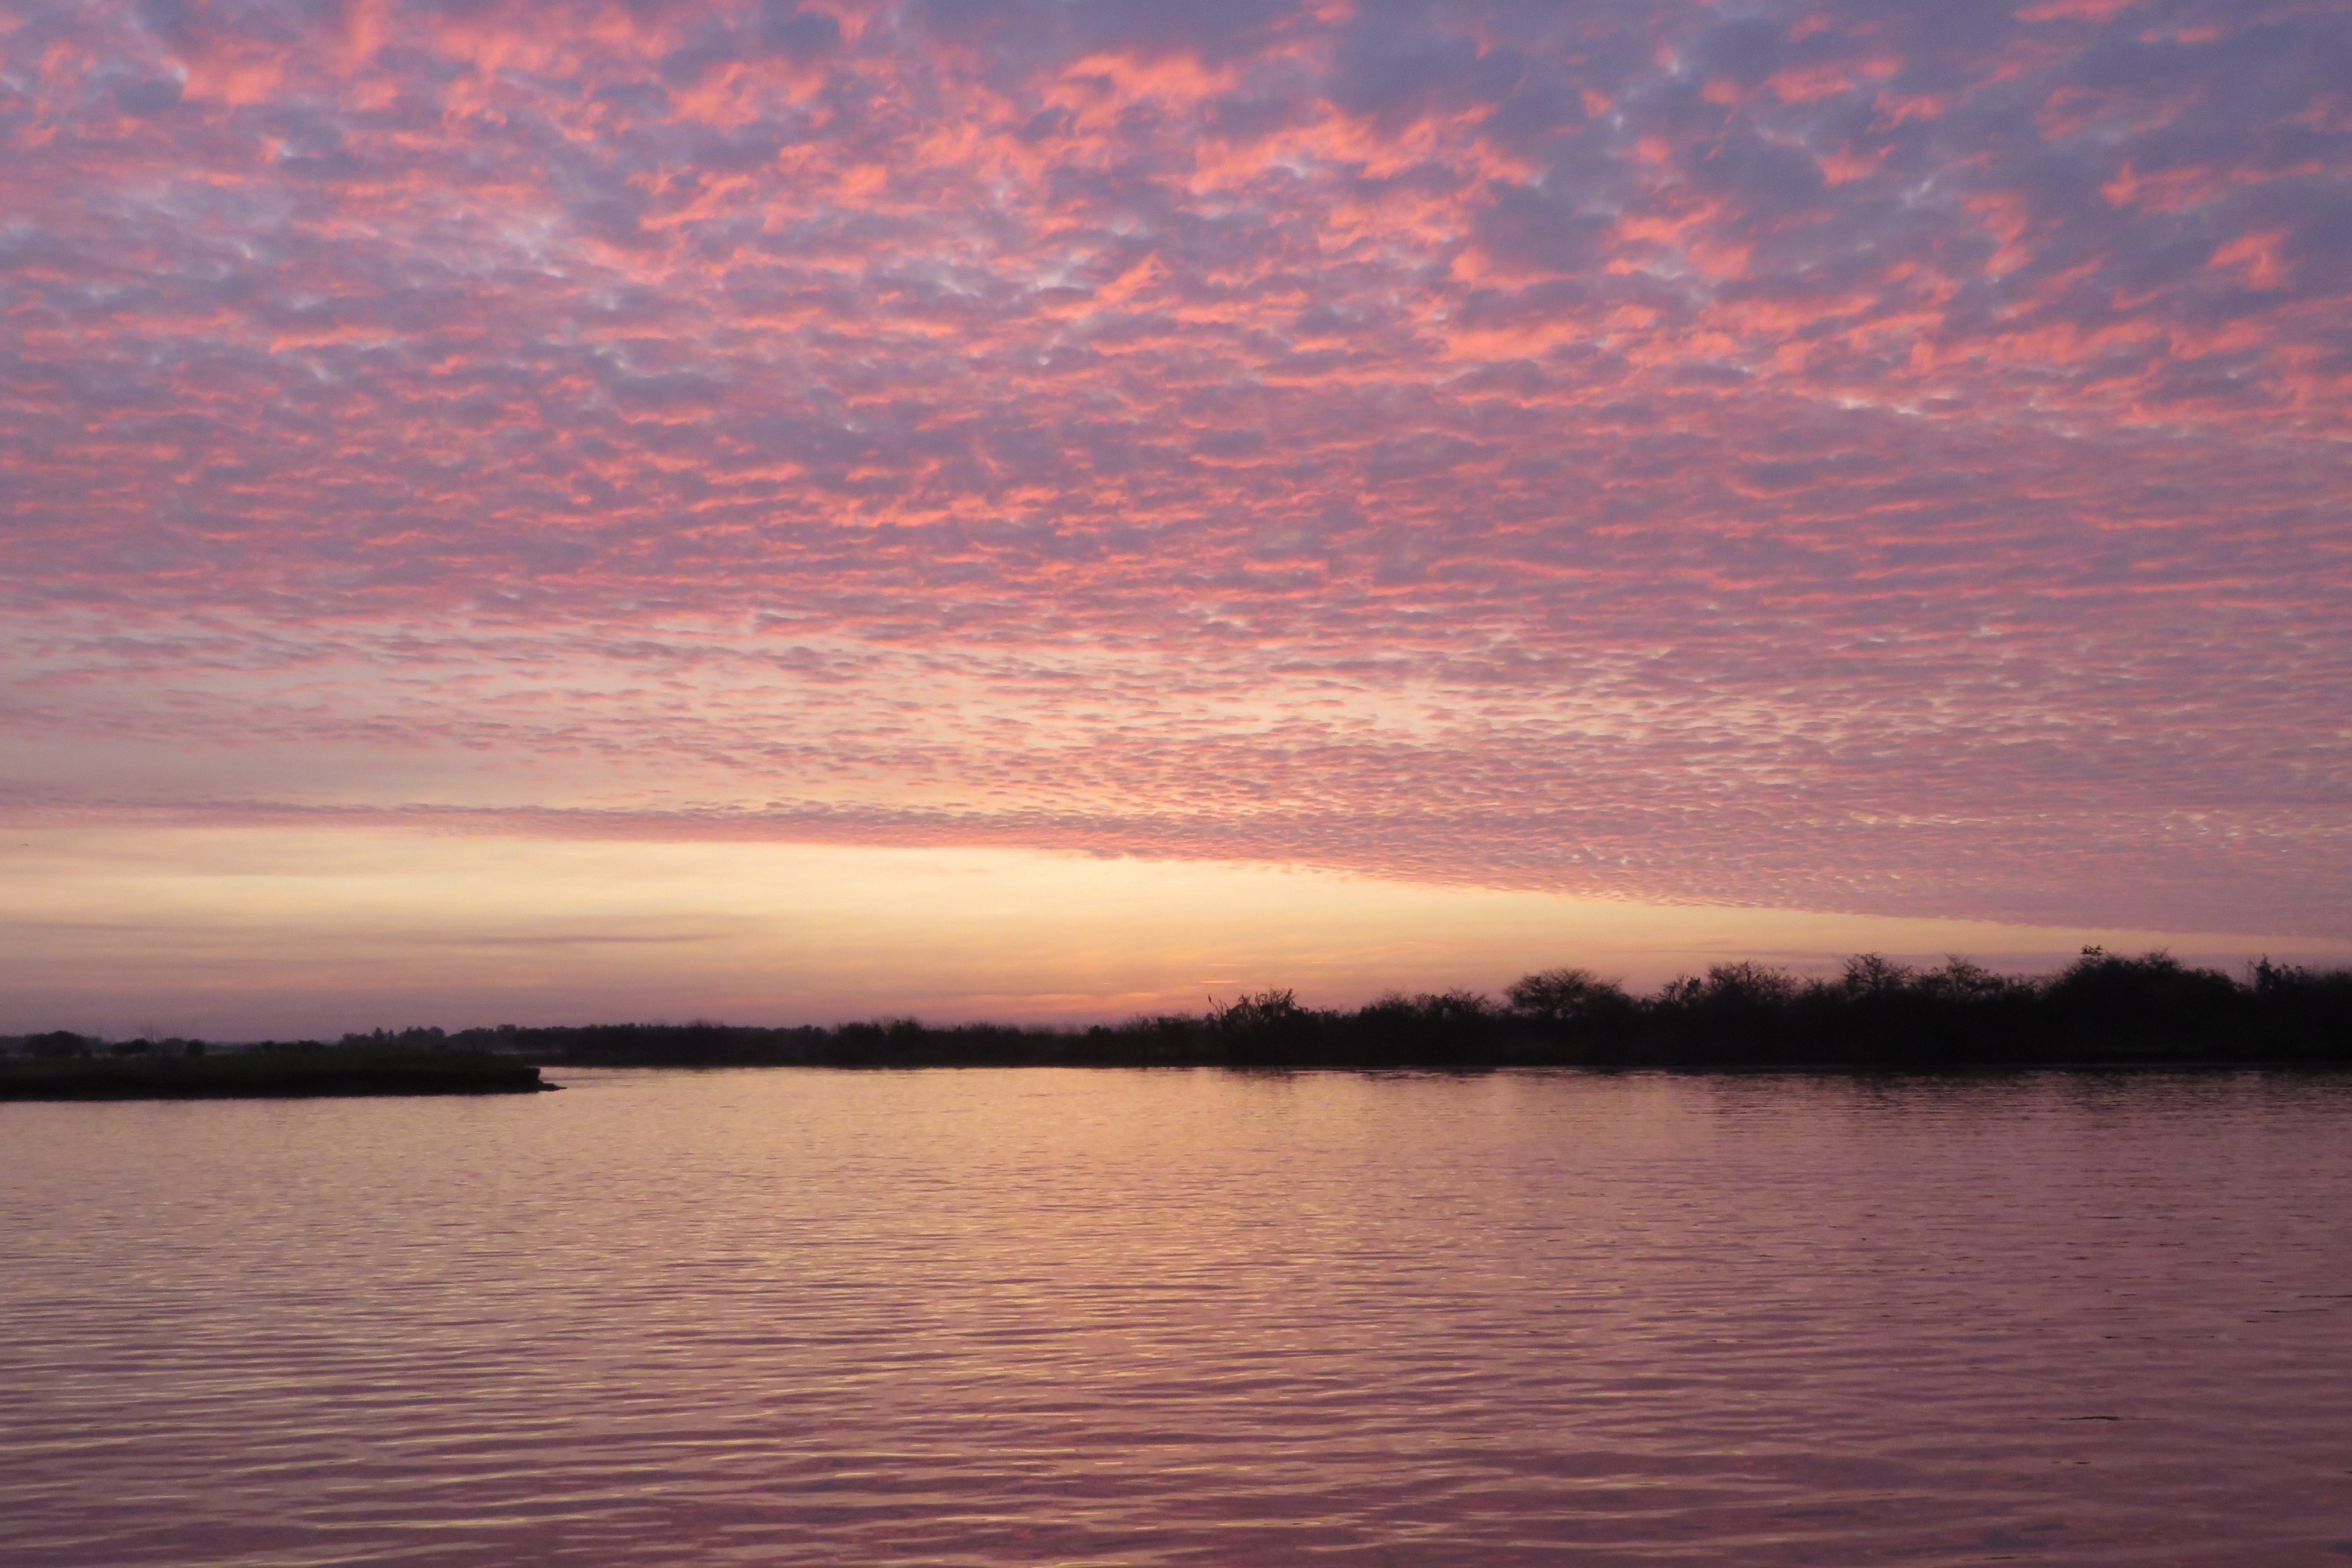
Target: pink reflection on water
column 1129, row 1317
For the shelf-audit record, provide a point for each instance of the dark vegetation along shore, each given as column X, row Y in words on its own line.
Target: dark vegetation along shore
column 2100, row 1012
column 71, row 1067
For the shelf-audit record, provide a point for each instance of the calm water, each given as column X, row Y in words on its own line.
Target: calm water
column 1126, row 1317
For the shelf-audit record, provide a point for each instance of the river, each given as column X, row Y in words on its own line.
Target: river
column 1017, row 1317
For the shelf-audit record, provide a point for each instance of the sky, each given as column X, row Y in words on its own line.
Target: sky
column 1043, row 509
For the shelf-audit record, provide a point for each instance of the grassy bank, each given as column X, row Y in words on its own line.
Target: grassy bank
column 263, row 1075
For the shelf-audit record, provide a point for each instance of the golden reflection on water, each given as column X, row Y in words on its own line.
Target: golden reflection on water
column 1016, row 1317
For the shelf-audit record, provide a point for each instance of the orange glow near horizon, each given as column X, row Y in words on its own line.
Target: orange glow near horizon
column 256, row 930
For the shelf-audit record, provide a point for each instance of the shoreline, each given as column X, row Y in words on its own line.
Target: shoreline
column 269, row 1075
column 2103, row 1014
column 1604, row 1069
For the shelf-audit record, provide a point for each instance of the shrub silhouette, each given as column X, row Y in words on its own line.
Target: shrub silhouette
column 1874, row 1015
column 2152, row 999
column 1569, row 999
column 58, row 1043
column 1266, row 1027
column 1445, row 1030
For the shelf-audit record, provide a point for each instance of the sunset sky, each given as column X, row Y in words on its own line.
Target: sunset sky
column 1047, row 510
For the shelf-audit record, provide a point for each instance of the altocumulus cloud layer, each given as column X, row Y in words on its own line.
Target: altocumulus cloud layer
column 1880, row 456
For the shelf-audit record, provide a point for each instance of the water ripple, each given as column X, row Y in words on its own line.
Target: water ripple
column 995, row 1318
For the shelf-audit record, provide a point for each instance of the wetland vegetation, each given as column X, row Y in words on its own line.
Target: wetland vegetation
column 2102, row 1011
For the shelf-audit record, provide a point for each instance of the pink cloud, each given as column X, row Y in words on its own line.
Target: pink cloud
column 1871, row 460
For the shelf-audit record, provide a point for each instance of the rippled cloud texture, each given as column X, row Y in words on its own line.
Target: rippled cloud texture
column 1874, row 457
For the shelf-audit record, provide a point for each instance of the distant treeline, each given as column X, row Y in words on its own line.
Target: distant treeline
column 2102, row 1010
